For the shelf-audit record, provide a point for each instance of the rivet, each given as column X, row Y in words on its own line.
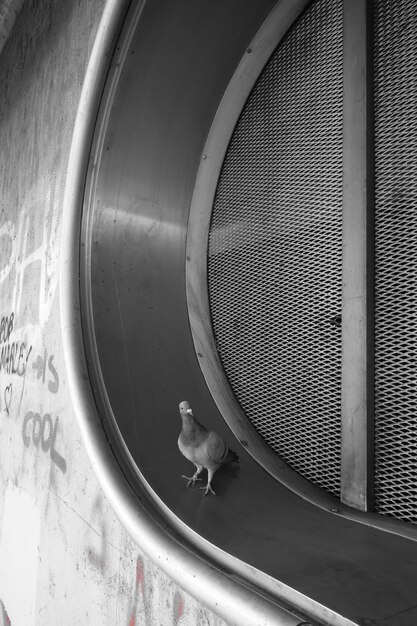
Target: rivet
column 249, row 50
column 204, row 156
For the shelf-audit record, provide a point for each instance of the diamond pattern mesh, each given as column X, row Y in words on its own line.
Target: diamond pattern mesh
column 395, row 25
column 275, row 249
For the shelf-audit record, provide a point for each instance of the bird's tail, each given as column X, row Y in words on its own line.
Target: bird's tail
column 232, row 457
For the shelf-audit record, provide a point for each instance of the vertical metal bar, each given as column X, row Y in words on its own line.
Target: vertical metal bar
column 357, row 307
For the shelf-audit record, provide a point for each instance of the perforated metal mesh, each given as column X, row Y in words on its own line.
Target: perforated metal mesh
column 275, row 246
column 396, row 257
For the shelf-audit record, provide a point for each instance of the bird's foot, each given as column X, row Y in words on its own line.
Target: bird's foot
column 190, row 479
column 208, row 488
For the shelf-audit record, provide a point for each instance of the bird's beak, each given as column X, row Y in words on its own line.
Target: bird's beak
column 190, row 411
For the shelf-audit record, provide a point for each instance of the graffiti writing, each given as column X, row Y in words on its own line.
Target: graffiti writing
column 140, row 608
column 28, row 249
column 98, row 556
column 177, row 608
column 40, row 365
column 8, row 392
column 14, row 357
column 6, row 328
column 140, row 591
column 43, row 431
column 5, row 619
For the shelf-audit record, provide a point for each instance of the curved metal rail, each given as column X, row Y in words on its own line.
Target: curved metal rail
column 234, row 601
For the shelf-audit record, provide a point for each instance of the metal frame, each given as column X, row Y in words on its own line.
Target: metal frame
column 356, row 501
column 357, row 307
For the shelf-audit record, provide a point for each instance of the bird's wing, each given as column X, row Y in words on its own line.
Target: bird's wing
column 215, row 448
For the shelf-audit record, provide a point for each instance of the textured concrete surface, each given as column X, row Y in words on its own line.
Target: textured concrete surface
column 64, row 557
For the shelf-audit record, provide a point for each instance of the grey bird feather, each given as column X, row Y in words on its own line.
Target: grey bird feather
column 204, row 448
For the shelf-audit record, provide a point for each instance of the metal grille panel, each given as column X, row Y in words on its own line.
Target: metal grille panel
column 395, row 26
column 275, row 249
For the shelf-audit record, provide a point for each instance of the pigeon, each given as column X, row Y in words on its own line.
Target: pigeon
column 205, row 448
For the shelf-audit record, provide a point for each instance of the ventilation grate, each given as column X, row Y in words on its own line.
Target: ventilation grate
column 395, row 69
column 275, row 249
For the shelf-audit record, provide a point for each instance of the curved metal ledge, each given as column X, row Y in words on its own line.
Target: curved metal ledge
column 233, row 601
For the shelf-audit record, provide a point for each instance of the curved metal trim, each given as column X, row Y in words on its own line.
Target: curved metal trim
column 236, row 602
column 246, row 75
column 230, row 108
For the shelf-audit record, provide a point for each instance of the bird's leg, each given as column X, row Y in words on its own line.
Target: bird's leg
column 191, row 479
column 208, row 488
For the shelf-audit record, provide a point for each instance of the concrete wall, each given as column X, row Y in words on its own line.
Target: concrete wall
column 64, row 557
